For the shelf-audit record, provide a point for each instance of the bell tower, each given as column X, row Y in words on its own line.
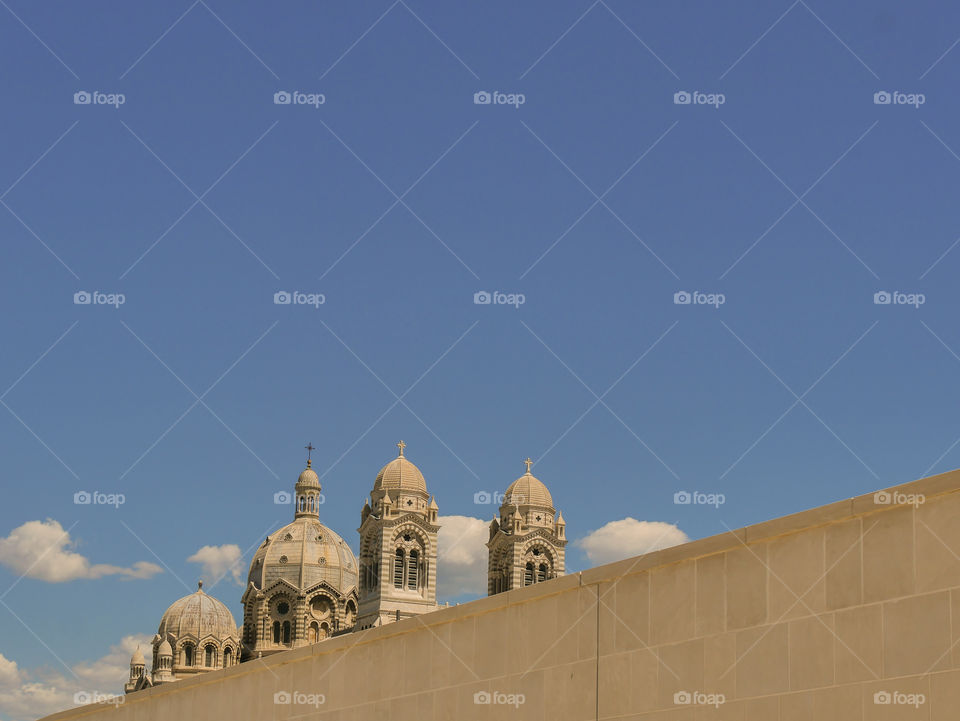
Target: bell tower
column 398, row 546
column 527, row 542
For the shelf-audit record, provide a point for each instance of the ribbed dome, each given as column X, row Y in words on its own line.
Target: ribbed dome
column 304, row 553
column 137, row 659
column 308, row 475
column 400, row 473
column 199, row 615
column 528, row 490
column 164, row 649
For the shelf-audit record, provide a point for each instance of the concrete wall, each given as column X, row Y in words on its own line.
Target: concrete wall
column 807, row 617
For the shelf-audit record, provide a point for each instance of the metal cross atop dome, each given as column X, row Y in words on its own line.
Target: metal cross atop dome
column 310, row 450
column 401, row 445
column 529, row 463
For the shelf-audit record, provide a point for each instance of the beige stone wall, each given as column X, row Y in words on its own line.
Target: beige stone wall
column 819, row 616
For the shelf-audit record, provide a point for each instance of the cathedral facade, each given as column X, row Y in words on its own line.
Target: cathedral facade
column 305, row 584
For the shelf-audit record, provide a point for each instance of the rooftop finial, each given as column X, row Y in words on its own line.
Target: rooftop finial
column 401, row 445
column 310, row 450
column 529, row 463
column 200, row 585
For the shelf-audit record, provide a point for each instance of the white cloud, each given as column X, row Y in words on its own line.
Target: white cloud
column 42, row 550
column 629, row 537
column 461, row 556
column 220, row 561
column 27, row 694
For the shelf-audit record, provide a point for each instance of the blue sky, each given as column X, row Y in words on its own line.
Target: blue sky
column 398, row 199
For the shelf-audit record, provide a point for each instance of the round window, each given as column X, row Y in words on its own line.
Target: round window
column 283, row 608
column 283, row 559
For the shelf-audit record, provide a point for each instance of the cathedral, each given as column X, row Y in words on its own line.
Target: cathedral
column 305, row 584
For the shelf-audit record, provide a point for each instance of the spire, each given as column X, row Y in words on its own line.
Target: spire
column 401, row 445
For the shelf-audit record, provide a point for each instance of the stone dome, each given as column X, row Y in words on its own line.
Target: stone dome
column 400, row 474
column 198, row 615
column 137, row 659
column 164, row 649
column 309, row 476
column 528, row 490
column 304, row 553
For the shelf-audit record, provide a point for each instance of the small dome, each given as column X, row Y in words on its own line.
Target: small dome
column 198, row 615
column 137, row 659
column 528, row 490
column 308, row 476
column 304, row 553
column 164, row 648
column 400, row 473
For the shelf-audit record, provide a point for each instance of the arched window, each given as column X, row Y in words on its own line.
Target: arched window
column 188, row 655
column 313, row 633
column 398, row 569
column 412, row 568
column 286, row 632
column 209, row 655
column 276, row 632
column 227, row 656
column 542, row 573
column 528, row 575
